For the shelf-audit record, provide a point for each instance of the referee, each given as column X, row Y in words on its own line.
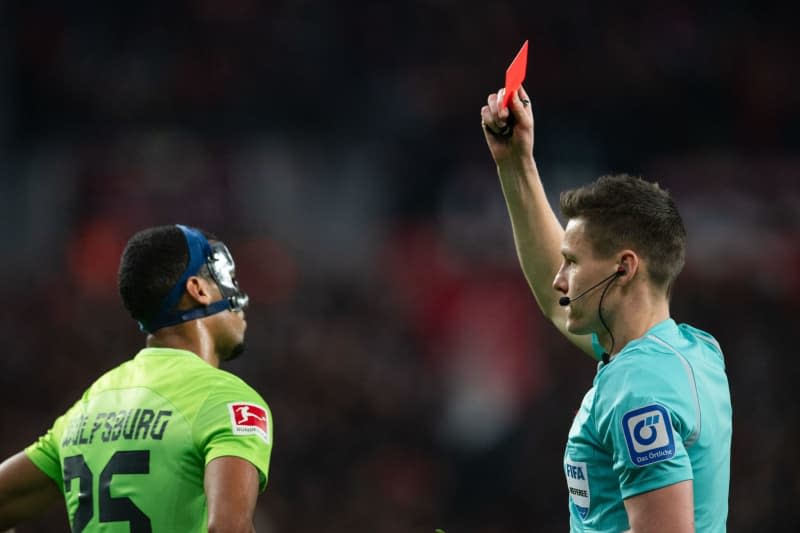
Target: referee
column 166, row 441
column 649, row 449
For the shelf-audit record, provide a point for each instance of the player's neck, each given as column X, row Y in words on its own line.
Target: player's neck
column 190, row 336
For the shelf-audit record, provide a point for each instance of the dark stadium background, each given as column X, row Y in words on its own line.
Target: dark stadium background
column 336, row 147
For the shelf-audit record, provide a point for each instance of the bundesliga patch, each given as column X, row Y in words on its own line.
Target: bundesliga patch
column 578, row 486
column 648, row 434
column 249, row 419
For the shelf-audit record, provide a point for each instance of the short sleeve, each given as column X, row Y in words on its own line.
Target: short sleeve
column 640, row 422
column 45, row 452
column 234, row 421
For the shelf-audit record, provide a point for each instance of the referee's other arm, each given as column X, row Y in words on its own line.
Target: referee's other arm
column 666, row 510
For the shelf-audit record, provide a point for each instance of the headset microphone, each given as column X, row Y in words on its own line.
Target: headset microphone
column 566, row 300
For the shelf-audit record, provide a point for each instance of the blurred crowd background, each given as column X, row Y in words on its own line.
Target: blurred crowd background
column 336, row 147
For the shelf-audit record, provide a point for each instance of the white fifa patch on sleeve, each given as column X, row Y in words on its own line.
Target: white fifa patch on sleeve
column 578, row 486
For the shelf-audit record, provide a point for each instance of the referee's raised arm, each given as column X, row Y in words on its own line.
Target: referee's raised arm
column 537, row 232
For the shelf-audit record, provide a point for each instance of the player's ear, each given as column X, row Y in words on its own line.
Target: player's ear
column 199, row 290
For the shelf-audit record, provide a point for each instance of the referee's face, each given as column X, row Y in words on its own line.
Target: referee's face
column 580, row 270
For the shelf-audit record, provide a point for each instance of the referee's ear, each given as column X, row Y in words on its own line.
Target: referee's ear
column 628, row 265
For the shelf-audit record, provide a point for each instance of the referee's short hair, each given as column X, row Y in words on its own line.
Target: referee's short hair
column 623, row 211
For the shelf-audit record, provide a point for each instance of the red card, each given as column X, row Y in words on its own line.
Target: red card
column 515, row 74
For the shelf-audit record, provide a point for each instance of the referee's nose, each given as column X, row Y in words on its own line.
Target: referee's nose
column 560, row 281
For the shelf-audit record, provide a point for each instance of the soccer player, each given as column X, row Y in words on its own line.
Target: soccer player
column 649, row 449
column 166, row 441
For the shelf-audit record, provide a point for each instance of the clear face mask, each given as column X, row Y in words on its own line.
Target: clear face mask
column 223, row 269
column 220, row 264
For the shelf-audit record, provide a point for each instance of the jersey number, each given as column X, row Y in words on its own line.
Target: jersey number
column 111, row 509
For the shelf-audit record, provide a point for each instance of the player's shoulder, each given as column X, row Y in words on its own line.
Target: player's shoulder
column 229, row 386
column 110, row 379
column 176, row 375
column 232, row 399
column 112, row 375
column 231, row 380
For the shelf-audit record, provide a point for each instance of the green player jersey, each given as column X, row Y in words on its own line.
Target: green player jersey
column 130, row 455
column 658, row 413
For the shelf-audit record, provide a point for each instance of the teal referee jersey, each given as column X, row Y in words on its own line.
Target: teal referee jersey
column 659, row 413
column 130, row 455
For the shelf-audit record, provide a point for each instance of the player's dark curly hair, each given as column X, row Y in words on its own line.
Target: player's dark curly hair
column 623, row 211
column 152, row 263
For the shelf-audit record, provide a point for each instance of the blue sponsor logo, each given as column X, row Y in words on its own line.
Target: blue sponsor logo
column 648, row 434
